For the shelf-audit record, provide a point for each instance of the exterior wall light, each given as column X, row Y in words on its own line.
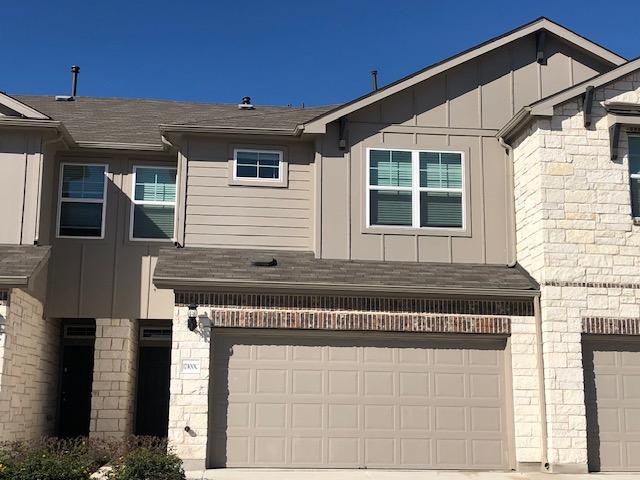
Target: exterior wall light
column 192, row 314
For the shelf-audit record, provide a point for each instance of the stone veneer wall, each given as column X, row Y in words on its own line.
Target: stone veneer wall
column 113, row 396
column 189, row 391
column 575, row 235
column 29, row 350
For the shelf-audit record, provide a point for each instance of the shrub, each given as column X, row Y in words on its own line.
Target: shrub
column 57, row 459
column 146, row 464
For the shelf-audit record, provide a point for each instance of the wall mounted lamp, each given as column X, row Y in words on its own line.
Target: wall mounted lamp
column 192, row 316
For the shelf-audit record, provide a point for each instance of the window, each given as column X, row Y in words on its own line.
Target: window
column 634, row 174
column 262, row 165
column 154, row 203
column 81, row 202
column 419, row 189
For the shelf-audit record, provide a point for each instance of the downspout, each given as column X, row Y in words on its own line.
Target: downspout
column 541, row 387
column 511, row 227
column 537, row 312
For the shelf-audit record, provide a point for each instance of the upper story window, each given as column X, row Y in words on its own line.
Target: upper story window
column 259, row 165
column 415, row 188
column 634, row 174
column 154, row 203
column 82, row 200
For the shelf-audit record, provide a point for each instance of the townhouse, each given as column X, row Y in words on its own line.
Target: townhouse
column 441, row 274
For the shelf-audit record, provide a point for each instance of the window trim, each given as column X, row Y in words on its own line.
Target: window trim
column 256, row 180
column 82, row 200
column 632, row 176
column 135, row 202
column 415, row 190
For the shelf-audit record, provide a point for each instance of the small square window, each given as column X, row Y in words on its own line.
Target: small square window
column 81, row 200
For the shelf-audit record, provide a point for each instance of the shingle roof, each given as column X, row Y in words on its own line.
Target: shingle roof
column 198, row 268
column 19, row 262
column 92, row 119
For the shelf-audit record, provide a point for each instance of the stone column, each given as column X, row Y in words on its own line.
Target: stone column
column 114, row 378
column 526, row 393
column 564, row 377
column 189, row 406
column 29, row 349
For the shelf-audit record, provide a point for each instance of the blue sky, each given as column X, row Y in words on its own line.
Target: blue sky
column 278, row 52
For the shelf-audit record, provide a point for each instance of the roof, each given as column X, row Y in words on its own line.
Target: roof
column 317, row 125
column 110, row 120
column 202, row 268
column 18, row 263
column 545, row 106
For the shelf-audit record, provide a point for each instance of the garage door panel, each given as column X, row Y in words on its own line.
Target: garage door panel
column 612, row 394
column 335, row 400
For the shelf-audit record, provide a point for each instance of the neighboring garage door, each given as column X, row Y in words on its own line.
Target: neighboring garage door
column 612, row 394
column 339, row 400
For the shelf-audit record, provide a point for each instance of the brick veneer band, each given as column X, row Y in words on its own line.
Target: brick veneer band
column 611, row 326
column 368, row 321
column 516, row 307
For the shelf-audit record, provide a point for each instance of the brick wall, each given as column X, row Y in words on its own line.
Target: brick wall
column 29, row 350
column 575, row 235
column 114, row 378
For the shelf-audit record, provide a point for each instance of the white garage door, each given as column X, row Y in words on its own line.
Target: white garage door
column 337, row 400
column 612, row 395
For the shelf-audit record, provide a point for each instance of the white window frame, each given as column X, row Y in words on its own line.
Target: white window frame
column 103, row 200
column 415, row 189
column 135, row 202
column 278, row 180
column 632, row 176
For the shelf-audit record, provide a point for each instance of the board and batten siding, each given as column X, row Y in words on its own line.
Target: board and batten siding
column 110, row 277
column 222, row 215
column 460, row 109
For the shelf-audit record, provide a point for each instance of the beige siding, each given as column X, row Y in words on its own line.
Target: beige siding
column 460, row 109
column 110, row 277
column 219, row 214
column 20, row 174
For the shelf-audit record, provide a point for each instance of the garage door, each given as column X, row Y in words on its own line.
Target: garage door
column 612, row 393
column 352, row 401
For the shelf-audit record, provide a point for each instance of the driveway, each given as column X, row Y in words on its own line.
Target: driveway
column 275, row 474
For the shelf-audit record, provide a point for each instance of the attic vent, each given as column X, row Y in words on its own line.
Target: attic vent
column 154, row 333
column 79, row 331
column 264, row 262
column 246, row 104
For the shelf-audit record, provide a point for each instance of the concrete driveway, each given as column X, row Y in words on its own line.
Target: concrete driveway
column 275, row 474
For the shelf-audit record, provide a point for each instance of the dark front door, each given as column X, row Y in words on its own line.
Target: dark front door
column 153, row 391
column 75, row 394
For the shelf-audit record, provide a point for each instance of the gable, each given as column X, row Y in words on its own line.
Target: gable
column 568, row 59
column 485, row 92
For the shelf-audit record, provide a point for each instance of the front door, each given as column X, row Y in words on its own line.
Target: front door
column 75, row 394
column 153, row 391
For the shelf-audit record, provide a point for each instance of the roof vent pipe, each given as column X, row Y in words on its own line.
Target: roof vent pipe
column 246, row 104
column 74, row 79
column 374, row 80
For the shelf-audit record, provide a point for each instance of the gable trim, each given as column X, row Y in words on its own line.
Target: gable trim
column 318, row 124
column 24, row 110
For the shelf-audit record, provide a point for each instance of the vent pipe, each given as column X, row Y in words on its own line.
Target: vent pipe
column 374, row 80
column 74, row 79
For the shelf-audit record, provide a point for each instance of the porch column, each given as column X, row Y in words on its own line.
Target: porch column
column 189, row 404
column 114, row 378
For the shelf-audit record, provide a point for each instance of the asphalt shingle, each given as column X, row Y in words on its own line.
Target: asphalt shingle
column 193, row 267
column 93, row 119
column 19, row 262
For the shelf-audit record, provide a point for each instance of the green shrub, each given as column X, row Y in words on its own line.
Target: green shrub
column 56, row 459
column 45, row 460
column 146, row 464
